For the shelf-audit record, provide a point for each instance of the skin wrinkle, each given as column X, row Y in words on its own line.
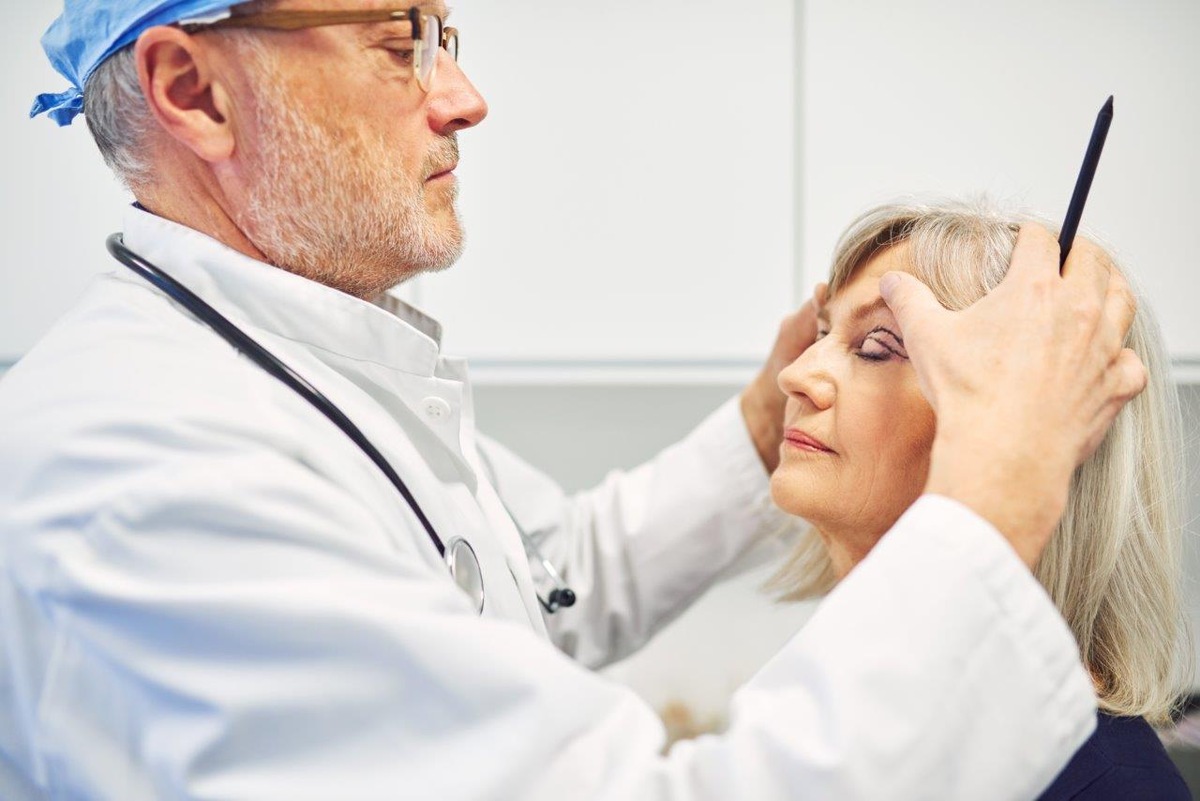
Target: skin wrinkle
column 1112, row 566
column 859, row 313
column 884, row 329
column 880, row 330
column 310, row 150
column 337, row 205
column 836, row 393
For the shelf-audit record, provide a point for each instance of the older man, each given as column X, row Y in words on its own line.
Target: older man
column 209, row 591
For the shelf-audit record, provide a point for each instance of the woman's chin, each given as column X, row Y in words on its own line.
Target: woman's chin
column 793, row 499
column 778, row 494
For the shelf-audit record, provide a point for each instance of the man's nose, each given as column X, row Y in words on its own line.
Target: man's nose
column 454, row 104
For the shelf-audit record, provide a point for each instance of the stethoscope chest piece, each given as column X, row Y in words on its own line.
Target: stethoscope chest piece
column 459, row 555
column 465, row 570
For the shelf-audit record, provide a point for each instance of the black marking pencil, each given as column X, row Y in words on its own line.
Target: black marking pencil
column 1084, row 183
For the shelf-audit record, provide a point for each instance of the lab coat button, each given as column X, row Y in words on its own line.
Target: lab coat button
column 436, row 408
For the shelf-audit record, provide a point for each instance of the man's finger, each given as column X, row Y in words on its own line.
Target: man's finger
column 1131, row 375
column 1088, row 267
column 1035, row 254
column 1120, row 306
column 1126, row 379
column 909, row 299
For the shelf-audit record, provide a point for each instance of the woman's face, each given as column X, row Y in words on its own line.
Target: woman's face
column 858, row 431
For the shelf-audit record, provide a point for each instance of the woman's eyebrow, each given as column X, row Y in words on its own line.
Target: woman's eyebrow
column 879, row 304
column 859, row 312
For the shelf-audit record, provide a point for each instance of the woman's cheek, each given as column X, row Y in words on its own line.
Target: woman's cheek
column 922, row 426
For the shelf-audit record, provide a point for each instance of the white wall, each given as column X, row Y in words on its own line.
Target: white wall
column 634, row 174
column 974, row 95
column 728, row 633
column 731, row 631
column 628, row 174
column 630, row 197
column 896, row 97
column 59, row 200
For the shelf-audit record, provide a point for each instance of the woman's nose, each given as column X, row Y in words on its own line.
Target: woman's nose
column 808, row 378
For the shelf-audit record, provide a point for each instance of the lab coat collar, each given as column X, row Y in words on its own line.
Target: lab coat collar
column 389, row 333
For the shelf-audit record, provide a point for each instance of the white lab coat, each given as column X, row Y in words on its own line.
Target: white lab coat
column 208, row 592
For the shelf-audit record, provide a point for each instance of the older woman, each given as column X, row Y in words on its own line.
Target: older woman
column 856, row 454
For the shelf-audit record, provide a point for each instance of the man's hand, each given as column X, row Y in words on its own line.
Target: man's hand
column 763, row 401
column 1025, row 382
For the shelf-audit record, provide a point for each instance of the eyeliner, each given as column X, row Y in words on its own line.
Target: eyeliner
column 1084, row 183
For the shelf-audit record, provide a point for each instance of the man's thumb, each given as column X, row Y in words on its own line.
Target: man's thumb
column 908, row 298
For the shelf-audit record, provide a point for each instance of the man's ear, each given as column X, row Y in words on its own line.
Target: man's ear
column 178, row 80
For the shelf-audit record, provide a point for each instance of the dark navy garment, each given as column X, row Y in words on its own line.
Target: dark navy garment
column 1123, row 761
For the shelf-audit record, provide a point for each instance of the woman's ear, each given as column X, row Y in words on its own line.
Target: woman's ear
column 178, row 80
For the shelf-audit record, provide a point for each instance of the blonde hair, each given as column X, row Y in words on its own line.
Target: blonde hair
column 1113, row 565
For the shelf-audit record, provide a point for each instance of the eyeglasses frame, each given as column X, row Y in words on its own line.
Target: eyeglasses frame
column 300, row 20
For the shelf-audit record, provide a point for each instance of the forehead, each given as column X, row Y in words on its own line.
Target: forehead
column 863, row 287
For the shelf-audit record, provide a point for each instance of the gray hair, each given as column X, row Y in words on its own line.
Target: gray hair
column 1113, row 567
column 119, row 117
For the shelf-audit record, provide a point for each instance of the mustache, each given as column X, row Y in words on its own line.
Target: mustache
column 443, row 155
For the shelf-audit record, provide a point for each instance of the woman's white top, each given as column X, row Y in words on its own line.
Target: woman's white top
column 208, row 592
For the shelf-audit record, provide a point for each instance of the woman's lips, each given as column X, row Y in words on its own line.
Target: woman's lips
column 797, row 438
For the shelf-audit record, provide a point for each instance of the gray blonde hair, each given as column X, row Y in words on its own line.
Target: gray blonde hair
column 1113, row 566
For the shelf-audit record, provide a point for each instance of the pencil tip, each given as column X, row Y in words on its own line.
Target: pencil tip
column 1108, row 106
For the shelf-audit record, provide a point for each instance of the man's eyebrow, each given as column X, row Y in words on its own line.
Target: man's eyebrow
column 439, row 9
column 442, row 11
column 859, row 312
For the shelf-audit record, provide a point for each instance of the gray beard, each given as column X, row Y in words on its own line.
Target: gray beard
column 326, row 206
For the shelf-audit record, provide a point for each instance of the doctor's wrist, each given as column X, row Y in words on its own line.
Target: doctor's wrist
column 1022, row 494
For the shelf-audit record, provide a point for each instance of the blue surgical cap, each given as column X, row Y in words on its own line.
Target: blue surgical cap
column 89, row 31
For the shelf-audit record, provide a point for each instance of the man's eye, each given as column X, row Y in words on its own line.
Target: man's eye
column 403, row 54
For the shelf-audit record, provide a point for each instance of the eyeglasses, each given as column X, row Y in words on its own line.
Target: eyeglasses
column 428, row 31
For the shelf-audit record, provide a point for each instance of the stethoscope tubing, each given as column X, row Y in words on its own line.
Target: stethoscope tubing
column 267, row 361
column 561, row 596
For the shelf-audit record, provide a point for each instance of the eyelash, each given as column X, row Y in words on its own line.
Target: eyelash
column 400, row 49
column 872, row 357
column 860, row 353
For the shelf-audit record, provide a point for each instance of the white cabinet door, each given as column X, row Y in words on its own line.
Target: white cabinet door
column 1001, row 96
column 629, row 199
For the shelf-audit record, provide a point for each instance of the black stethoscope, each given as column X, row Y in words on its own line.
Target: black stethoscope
column 458, row 554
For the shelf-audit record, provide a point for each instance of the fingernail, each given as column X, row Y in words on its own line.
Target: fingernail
column 889, row 282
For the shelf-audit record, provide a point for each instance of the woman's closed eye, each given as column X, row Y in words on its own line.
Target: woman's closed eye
column 881, row 344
